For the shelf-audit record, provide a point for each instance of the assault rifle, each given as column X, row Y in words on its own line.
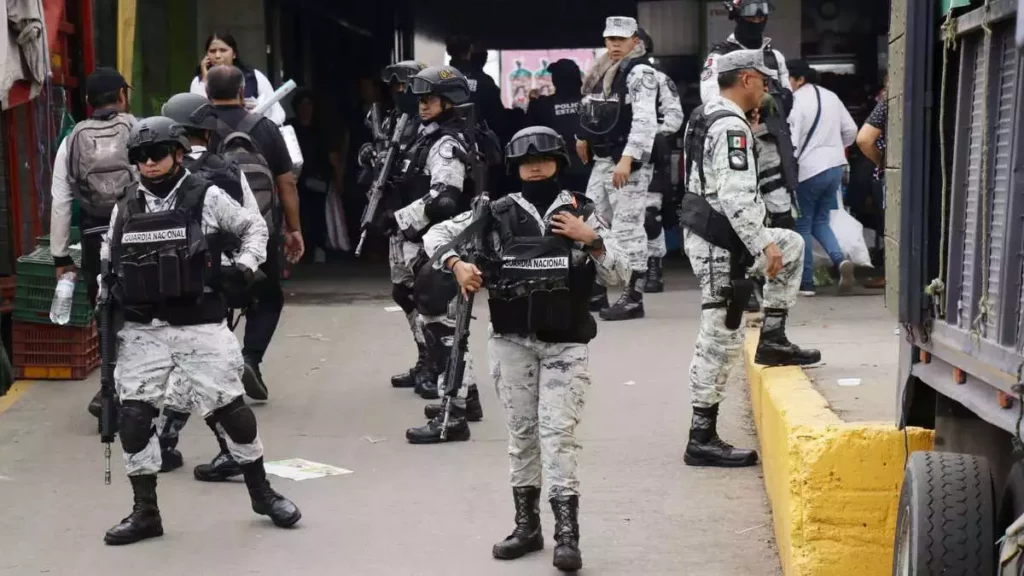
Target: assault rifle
column 370, row 215
column 108, row 353
column 477, row 168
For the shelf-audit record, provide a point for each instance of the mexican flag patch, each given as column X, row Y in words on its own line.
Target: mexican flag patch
column 737, row 142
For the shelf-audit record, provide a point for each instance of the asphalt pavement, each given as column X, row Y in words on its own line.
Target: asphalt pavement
column 404, row 509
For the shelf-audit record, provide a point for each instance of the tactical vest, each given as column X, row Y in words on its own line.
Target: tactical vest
column 605, row 121
column 695, row 212
column 166, row 267
column 414, row 182
column 541, row 283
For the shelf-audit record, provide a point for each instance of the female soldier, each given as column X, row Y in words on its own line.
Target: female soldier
column 222, row 49
column 543, row 251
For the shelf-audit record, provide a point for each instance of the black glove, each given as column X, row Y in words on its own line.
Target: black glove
column 385, row 222
column 782, row 220
column 367, row 155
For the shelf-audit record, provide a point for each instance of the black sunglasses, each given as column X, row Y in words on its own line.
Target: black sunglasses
column 154, row 152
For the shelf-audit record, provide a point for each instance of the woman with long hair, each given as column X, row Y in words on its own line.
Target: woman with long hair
column 222, row 49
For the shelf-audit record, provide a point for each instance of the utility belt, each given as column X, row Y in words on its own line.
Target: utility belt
column 697, row 214
column 209, row 309
column 532, row 290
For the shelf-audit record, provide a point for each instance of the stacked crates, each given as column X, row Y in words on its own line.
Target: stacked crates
column 42, row 350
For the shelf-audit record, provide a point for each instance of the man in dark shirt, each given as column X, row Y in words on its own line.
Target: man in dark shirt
column 484, row 91
column 224, row 88
column 317, row 172
column 871, row 141
column 560, row 112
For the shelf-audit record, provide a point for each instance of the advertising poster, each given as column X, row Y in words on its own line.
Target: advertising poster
column 526, row 70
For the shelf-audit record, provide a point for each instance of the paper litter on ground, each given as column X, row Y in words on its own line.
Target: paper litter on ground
column 849, row 381
column 393, row 309
column 300, row 469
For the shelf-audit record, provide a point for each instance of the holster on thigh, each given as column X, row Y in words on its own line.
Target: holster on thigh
column 736, row 294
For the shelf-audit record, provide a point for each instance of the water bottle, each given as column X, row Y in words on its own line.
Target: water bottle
column 63, row 298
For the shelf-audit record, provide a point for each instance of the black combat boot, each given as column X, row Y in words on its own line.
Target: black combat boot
column 252, row 379
column 567, row 533
column 170, row 457
column 408, row 379
column 598, row 298
column 265, row 501
column 527, row 536
column 473, row 412
column 458, row 431
column 144, row 521
column 631, row 303
column 223, row 467
column 705, row 448
column 654, row 282
column 774, row 349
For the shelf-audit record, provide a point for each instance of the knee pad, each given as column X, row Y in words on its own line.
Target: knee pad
column 652, row 222
column 238, row 421
column 136, row 425
column 403, row 296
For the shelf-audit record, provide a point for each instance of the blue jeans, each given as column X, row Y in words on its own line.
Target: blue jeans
column 817, row 198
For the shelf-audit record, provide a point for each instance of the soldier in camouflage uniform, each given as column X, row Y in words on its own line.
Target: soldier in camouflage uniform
column 618, row 123
column 670, row 121
column 726, row 178
column 433, row 185
column 163, row 334
column 544, row 248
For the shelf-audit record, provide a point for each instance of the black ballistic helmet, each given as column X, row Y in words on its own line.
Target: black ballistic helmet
column 157, row 130
column 749, row 8
column 443, row 81
column 401, row 71
column 536, row 141
column 181, row 107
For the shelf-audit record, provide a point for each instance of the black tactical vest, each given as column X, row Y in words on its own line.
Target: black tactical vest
column 166, row 267
column 605, row 122
column 541, row 283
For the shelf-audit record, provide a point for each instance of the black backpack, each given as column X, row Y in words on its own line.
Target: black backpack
column 223, row 173
column 237, row 147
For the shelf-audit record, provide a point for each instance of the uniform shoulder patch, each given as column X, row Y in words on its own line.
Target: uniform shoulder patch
column 446, row 148
column 650, row 80
column 736, row 141
column 706, row 74
column 671, row 86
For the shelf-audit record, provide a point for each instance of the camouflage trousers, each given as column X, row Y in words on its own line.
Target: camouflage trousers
column 718, row 348
column 203, row 363
column 401, row 255
column 656, row 248
column 623, row 208
column 448, row 321
column 541, row 387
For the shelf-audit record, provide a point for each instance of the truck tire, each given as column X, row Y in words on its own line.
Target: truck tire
column 1011, row 505
column 946, row 519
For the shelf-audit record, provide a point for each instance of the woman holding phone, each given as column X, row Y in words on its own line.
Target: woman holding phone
column 222, row 49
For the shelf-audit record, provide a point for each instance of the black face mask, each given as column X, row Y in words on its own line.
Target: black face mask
column 162, row 186
column 750, row 34
column 541, row 193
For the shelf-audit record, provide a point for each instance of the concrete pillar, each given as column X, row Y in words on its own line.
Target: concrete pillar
column 894, row 150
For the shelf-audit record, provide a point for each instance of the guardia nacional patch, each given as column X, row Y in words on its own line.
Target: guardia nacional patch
column 737, row 144
column 650, row 80
column 706, row 74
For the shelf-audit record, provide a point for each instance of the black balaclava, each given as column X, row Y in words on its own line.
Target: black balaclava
column 542, row 193
column 162, row 186
column 750, row 34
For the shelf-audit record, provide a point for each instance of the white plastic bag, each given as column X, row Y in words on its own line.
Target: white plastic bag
column 337, row 229
column 850, row 234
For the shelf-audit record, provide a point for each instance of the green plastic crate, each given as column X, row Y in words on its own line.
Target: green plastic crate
column 37, row 311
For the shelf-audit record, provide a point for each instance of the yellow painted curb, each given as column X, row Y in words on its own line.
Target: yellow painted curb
column 833, row 486
column 13, row 393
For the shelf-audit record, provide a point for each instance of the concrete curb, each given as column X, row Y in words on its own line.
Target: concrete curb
column 833, row 486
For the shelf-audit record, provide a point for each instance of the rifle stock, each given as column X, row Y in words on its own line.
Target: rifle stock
column 380, row 182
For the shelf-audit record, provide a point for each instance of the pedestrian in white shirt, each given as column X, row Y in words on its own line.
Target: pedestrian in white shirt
column 222, row 49
column 822, row 129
